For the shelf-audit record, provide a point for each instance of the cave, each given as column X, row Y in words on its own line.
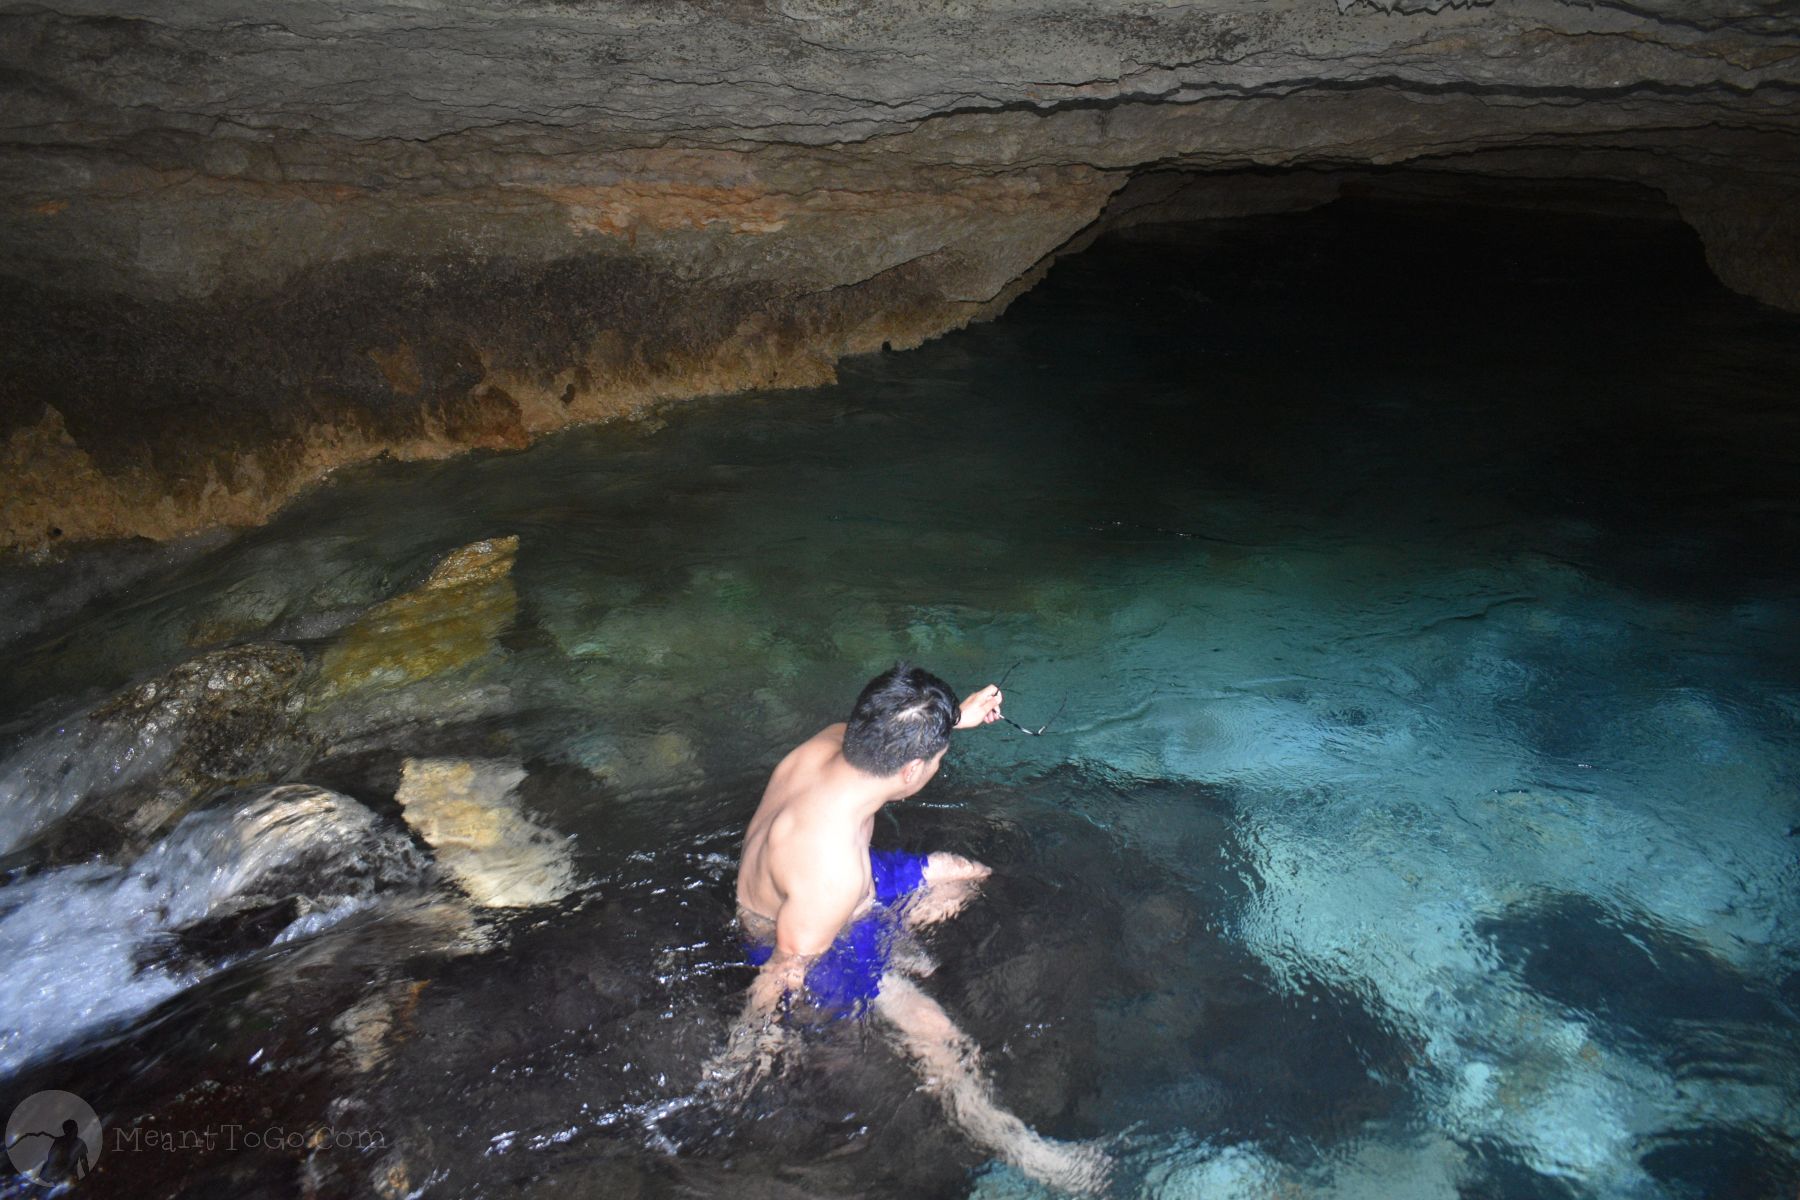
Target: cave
column 244, row 246
column 452, row 453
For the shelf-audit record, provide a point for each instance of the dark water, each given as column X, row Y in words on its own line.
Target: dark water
column 1422, row 587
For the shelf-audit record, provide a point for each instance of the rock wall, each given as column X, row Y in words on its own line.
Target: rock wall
column 245, row 243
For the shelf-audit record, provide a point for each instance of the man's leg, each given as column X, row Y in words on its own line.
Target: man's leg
column 947, row 883
column 949, row 1066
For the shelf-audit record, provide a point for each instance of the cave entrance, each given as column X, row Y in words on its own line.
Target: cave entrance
column 1419, row 237
column 1366, row 340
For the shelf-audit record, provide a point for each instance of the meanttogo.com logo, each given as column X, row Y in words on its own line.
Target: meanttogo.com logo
column 53, row 1138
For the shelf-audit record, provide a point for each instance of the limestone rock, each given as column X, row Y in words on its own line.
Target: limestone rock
column 468, row 813
column 445, row 623
column 646, row 764
column 368, row 1030
column 137, row 762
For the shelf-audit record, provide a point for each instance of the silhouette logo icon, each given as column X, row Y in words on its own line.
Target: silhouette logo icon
column 53, row 1138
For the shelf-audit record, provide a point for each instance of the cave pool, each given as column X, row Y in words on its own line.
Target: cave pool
column 1419, row 589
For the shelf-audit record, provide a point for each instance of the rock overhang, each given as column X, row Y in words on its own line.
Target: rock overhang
column 282, row 237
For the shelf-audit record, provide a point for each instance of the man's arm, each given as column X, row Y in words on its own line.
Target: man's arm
column 819, row 904
column 950, row 880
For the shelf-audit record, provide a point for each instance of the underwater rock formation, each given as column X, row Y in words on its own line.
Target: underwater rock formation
column 110, row 779
column 447, row 622
column 427, row 229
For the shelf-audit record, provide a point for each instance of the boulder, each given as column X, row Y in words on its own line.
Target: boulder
column 468, row 812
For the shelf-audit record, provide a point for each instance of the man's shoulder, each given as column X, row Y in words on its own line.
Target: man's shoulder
column 807, row 821
column 816, row 750
column 809, row 841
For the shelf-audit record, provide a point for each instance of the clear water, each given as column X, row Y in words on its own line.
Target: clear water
column 1423, row 591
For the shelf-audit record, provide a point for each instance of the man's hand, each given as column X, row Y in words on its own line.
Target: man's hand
column 982, row 708
column 753, row 1051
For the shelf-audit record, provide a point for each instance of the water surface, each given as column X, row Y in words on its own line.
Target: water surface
column 1422, row 590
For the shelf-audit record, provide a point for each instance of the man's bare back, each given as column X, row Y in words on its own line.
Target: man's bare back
column 807, row 881
column 798, row 825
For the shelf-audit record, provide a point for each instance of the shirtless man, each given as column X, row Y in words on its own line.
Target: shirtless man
column 826, row 917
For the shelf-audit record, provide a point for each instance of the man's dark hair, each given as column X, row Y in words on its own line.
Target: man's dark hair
column 902, row 714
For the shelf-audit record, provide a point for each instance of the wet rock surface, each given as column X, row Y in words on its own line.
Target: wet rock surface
column 428, row 231
column 134, row 764
column 108, row 781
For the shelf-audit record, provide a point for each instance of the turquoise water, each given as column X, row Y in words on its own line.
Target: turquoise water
column 1418, row 593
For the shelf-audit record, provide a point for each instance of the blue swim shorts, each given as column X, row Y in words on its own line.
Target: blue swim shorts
column 847, row 976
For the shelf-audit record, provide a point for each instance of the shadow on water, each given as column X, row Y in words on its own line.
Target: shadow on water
column 1641, row 981
column 1662, row 995
column 1698, row 1164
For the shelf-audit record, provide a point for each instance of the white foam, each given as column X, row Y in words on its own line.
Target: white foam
column 56, row 769
column 72, row 938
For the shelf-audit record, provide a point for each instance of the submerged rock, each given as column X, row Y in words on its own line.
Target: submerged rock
column 449, row 621
column 367, row 1029
column 468, row 813
column 642, row 765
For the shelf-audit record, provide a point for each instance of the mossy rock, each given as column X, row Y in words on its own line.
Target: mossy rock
column 447, row 622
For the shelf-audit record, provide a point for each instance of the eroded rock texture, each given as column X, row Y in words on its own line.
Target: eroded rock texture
column 246, row 242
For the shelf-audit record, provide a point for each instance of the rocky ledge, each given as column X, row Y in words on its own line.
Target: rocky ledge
column 244, row 243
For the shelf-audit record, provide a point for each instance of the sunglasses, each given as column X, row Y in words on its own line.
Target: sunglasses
column 1039, row 731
